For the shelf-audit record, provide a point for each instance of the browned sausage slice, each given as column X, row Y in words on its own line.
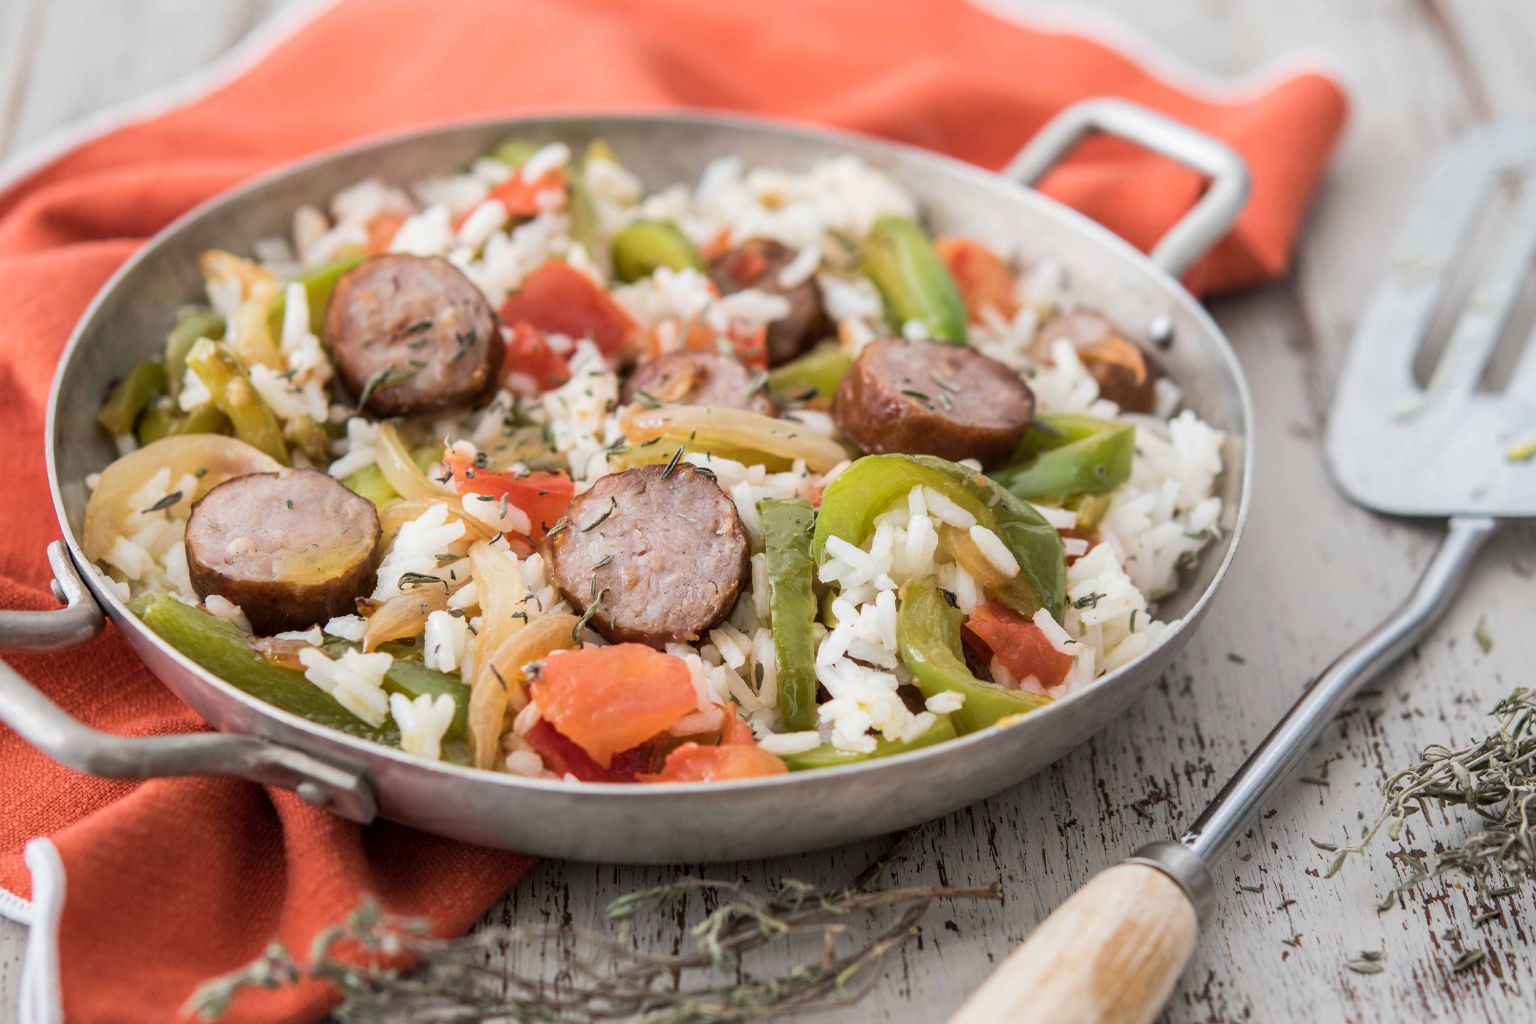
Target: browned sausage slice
column 1125, row 374
column 292, row 549
column 757, row 263
column 926, row 397
column 411, row 334
column 698, row 378
column 656, row 555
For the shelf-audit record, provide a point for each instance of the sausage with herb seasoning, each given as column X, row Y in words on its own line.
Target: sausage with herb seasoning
column 292, row 549
column 698, row 378
column 930, row 398
column 1125, row 374
column 656, row 554
column 410, row 334
column 759, row 263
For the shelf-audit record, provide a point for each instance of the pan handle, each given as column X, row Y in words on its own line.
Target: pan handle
column 1210, row 218
column 53, row 731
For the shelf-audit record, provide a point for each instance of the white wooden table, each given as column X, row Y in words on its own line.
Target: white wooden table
column 1313, row 571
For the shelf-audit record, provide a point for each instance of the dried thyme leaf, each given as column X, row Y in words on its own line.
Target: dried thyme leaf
column 1471, row 958
column 1480, row 634
column 164, row 503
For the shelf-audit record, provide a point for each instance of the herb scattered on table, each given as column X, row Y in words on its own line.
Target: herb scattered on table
column 1494, row 778
column 604, row 978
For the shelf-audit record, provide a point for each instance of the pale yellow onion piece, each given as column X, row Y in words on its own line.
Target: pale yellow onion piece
column 702, row 426
column 257, row 288
column 981, row 568
column 503, row 612
column 401, row 471
column 401, row 511
column 216, row 457
column 402, row 616
column 488, row 716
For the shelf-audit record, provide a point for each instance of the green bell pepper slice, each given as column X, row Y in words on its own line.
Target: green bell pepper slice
column 371, row 484
column 193, row 323
column 792, row 598
column 820, row 370
column 514, row 152
column 221, row 648
column 870, row 486
column 162, row 420
column 318, row 284
column 236, row 397
column 1066, row 455
column 141, row 386
column 645, row 245
column 928, row 634
column 828, row 756
column 913, row 281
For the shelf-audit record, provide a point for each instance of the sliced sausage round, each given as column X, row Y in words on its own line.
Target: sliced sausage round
column 1125, row 374
column 698, row 378
column 927, row 397
column 410, row 334
column 656, row 556
column 757, row 263
column 292, row 549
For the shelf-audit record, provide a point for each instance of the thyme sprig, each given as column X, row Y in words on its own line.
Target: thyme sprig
column 1495, row 778
column 605, row 978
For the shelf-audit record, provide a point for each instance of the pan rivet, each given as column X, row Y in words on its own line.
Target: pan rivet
column 1161, row 333
column 313, row 794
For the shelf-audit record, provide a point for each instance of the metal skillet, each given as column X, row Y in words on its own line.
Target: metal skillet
column 625, row 823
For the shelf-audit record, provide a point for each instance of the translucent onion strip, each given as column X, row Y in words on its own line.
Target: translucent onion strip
column 403, row 616
column 397, row 513
column 534, row 643
column 401, row 471
column 709, row 427
column 503, row 613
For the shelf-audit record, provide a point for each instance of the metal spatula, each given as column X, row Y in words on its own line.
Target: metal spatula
column 1457, row 442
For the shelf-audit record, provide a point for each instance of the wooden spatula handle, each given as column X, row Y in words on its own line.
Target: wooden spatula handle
column 1108, row 955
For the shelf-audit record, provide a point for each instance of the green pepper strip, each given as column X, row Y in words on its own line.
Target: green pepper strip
column 792, row 599
column 821, row 369
column 913, row 281
column 928, row 633
column 514, row 152
column 221, row 648
column 318, row 285
column 1067, row 455
column 828, row 756
column 870, row 486
column 235, row 396
column 370, row 483
column 143, row 384
column 160, row 420
column 645, row 245
column 193, row 323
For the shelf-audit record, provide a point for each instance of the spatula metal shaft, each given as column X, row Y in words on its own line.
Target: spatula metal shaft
column 1285, row 747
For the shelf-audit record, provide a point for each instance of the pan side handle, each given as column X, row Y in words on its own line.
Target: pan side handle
column 1212, row 216
column 53, row 731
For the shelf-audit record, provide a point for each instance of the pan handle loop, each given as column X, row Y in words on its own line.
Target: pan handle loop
column 78, row 621
column 53, row 731
column 1204, row 225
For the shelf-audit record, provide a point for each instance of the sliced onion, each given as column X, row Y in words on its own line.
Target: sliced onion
column 403, row 616
column 209, row 458
column 401, row 471
column 503, row 612
column 253, row 290
column 713, row 427
column 397, row 513
column 488, row 717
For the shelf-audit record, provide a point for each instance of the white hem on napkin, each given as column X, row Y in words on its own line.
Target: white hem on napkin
column 41, row 1002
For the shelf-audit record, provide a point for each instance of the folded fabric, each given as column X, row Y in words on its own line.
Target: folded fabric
column 167, row 883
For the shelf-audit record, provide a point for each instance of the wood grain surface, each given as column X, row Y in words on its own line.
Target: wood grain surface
column 1313, row 571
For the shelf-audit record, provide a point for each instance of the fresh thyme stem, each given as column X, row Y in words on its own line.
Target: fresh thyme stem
column 604, row 978
column 1495, row 778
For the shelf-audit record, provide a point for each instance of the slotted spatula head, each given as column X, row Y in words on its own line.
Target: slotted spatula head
column 1435, row 413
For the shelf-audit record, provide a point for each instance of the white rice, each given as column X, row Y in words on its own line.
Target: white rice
column 423, row 721
column 355, row 679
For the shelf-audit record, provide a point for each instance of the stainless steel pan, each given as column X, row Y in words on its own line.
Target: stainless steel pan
column 654, row 823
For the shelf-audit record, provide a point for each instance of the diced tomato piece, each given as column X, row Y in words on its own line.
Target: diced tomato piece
column 563, row 757
column 1076, row 534
column 519, row 196
column 559, row 299
column 610, row 699
column 543, row 496
column 531, row 359
column 382, row 227
column 1019, row 644
column 718, row 245
column 981, row 276
column 694, row 763
column 744, row 266
column 736, row 732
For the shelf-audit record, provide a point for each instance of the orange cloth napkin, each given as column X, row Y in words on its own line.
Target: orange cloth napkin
column 170, row 882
